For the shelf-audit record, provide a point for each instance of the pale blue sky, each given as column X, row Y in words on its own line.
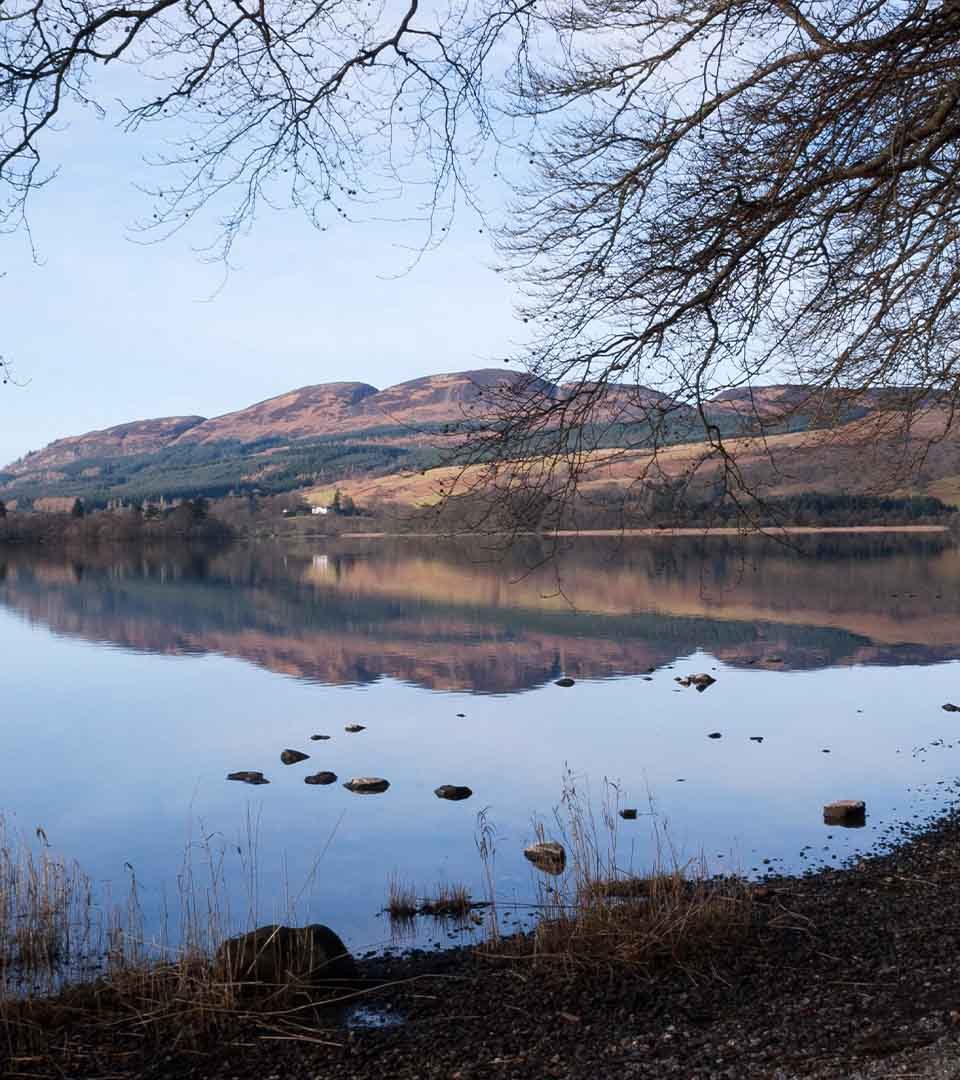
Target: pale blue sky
column 105, row 330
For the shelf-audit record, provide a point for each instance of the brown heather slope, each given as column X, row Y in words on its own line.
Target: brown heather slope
column 311, row 410
column 864, row 456
column 139, row 437
column 415, row 413
column 343, row 408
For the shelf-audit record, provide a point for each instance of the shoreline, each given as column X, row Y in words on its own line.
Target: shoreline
column 847, row 974
column 704, row 531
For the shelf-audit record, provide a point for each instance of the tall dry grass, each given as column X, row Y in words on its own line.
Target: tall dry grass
column 603, row 910
column 70, row 955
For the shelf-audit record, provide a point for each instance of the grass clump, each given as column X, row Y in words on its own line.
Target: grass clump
column 449, row 901
column 597, row 913
column 401, row 901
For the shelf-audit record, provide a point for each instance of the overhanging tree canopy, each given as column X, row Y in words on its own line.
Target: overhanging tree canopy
column 719, row 195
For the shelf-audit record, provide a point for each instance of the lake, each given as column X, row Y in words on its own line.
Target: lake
column 135, row 681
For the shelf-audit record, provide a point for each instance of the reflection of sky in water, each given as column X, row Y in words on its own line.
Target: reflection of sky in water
column 121, row 756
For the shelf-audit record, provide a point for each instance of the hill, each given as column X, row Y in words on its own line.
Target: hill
column 319, row 433
column 394, row 445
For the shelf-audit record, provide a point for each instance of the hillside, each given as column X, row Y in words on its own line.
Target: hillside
column 354, row 435
column 866, row 456
column 321, row 433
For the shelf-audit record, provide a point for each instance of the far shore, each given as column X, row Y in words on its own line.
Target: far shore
column 791, row 530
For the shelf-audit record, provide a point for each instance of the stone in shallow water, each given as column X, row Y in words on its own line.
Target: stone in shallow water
column 317, row 738
column 291, row 757
column 715, row 735
column 629, row 814
column 321, row 778
column 272, row 956
column 453, row 792
column 950, row 707
column 565, row 681
column 850, row 813
column 367, row 785
column 548, row 856
column 248, row 776
column 354, row 728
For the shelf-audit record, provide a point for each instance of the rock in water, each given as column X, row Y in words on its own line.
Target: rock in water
column 702, row 681
column 453, row 792
column 273, row 956
column 291, row 757
column 549, row 856
column 317, row 738
column 715, row 735
column 248, row 776
column 565, row 681
column 950, row 707
column 321, row 778
column 354, row 727
column 756, row 738
column 629, row 814
column 850, row 813
column 367, row 785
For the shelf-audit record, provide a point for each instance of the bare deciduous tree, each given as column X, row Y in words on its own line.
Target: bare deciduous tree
column 721, row 194
column 733, row 194
column 314, row 103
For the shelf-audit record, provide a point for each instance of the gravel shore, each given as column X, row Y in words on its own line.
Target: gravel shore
column 848, row 973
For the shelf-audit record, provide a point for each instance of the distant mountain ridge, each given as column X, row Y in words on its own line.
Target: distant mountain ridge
column 322, row 409
column 320, row 433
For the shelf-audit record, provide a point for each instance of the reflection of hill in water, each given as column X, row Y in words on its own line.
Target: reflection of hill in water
column 436, row 616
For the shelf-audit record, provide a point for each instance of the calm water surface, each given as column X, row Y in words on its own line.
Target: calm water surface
column 134, row 683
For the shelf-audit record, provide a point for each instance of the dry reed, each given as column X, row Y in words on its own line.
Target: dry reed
column 598, row 912
column 69, row 955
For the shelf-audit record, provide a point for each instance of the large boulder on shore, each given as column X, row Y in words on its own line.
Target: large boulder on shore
column 548, row 856
column 277, row 956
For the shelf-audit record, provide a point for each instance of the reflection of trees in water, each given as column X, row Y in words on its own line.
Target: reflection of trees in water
column 447, row 616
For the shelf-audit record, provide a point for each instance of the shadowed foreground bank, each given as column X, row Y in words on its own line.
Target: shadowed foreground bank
column 845, row 973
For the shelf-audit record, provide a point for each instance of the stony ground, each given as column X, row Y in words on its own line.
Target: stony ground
column 850, row 973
